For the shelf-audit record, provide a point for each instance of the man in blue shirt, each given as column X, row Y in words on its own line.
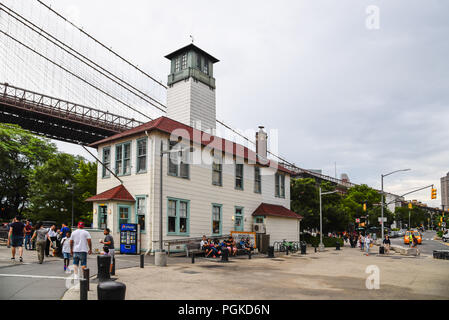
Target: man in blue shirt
column 64, row 230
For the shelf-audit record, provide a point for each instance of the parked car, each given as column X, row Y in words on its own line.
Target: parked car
column 446, row 236
column 401, row 232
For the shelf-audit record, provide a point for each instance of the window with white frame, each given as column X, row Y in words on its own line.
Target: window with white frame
column 141, row 155
column 217, row 172
column 177, row 64
column 141, row 210
column 239, row 176
column 257, row 180
column 123, row 159
column 178, row 162
column 216, row 219
column 178, row 217
column 106, row 162
column 279, row 185
column 184, row 61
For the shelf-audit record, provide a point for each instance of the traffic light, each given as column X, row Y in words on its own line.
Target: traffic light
column 410, row 206
column 434, row 193
column 364, row 207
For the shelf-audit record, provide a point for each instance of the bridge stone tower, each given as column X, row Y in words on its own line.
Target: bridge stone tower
column 191, row 88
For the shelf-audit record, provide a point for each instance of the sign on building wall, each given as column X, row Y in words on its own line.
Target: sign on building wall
column 242, row 235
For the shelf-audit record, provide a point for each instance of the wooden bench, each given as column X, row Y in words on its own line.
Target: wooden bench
column 186, row 241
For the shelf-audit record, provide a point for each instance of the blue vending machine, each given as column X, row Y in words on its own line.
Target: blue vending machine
column 128, row 238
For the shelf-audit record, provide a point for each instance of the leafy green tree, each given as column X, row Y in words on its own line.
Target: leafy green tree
column 51, row 196
column 20, row 153
column 418, row 216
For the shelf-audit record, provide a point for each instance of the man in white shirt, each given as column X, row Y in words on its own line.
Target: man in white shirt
column 80, row 246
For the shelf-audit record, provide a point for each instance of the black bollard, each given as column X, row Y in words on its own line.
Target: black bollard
column 86, row 276
column 103, row 264
column 193, row 257
column 111, row 290
column 337, row 245
column 286, row 251
column 113, row 267
column 224, row 255
column 142, row 260
column 270, row 252
column 83, row 289
column 249, row 254
column 315, row 249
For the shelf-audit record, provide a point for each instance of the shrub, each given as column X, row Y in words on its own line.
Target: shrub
column 327, row 241
column 439, row 234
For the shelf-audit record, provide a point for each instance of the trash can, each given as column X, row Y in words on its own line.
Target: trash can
column 337, row 245
column 270, row 252
column 111, row 290
column 381, row 250
column 303, row 247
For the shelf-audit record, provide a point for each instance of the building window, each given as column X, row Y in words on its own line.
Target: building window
column 178, row 162
column 178, row 217
column 177, row 64
column 216, row 219
column 239, row 176
column 217, row 172
column 198, row 62
column 206, row 67
column 184, row 61
column 141, row 211
column 141, row 155
column 106, row 162
column 257, row 180
column 123, row 159
column 279, row 185
column 123, row 212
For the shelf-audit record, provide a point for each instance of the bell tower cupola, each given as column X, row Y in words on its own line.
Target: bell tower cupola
column 191, row 88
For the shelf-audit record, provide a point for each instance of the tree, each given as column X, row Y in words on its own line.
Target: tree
column 50, row 194
column 20, row 153
column 418, row 216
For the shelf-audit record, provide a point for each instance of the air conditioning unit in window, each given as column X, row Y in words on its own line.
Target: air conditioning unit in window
column 259, row 228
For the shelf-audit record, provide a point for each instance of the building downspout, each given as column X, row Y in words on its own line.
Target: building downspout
column 149, row 238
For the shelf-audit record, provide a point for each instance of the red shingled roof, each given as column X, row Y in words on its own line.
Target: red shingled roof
column 170, row 126
column 266, row 209
column 118, row 193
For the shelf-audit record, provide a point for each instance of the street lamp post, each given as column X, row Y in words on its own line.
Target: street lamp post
column 321, row 246
column 382, row 196
column 160, row 256
column 72, row 188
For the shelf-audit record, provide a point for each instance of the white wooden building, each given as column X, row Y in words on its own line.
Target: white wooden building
column 217, row 188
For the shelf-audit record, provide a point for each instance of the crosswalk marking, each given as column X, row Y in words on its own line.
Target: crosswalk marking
column 32, row 276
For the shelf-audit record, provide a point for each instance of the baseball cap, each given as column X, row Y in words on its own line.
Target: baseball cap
column 80, row 224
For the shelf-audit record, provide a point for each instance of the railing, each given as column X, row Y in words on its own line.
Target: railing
column 40, row 103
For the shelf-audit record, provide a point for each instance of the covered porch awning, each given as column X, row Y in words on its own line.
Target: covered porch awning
column 275, row 210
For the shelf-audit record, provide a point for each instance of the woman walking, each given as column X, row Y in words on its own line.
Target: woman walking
column 41, row 235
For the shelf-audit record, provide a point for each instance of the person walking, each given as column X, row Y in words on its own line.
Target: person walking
column 387, row 244
column 109, row 244
column 28, row 229
column 80, row 247
column 16, row 234
column 65, row 244
column 41, row 235
column 410, row 239
column 52, row 233
column 362, row 242
column 367, row 243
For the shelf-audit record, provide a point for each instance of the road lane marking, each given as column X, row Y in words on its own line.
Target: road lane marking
column 32, row 276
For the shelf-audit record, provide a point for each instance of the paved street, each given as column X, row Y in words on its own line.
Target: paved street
column 428, row 244
column 47, row 281
column 327, row 275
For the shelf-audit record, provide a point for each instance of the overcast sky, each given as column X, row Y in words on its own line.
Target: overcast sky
column 371, row 100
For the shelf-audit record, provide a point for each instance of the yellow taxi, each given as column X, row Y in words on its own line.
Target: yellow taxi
column 415, row 233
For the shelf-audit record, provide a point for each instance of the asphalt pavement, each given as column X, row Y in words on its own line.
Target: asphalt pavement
column 428, row 243
column 47, row 281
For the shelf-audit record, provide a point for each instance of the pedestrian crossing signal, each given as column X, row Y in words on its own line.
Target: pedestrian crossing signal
column 434, row 193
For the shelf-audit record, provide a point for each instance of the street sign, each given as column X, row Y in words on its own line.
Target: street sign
column 357, row 220
column 380, row 219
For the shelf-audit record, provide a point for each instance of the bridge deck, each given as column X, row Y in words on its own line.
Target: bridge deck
column 59, row 119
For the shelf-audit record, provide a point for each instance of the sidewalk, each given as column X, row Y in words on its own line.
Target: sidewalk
column 327, row 275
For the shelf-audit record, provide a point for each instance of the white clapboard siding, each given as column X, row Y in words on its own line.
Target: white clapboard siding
column 282, row 228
